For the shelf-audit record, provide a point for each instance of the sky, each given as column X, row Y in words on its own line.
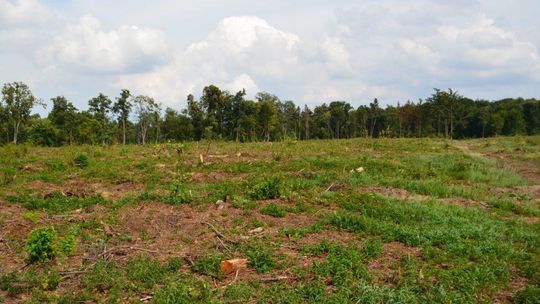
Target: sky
column 308, row 51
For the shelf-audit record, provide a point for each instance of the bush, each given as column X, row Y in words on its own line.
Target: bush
column 81, row 160
column 268, row 189
column 40, row 244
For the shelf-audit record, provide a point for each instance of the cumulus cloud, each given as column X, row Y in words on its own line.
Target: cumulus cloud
column 23, row 13
column 24, row 22
column 237, row 53
column 352, row 50
column 86, row 47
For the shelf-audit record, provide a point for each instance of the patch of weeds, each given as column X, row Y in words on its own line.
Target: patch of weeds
column 299, row 232
column 209, row 265
column 260, row 257
column 31, row 280
column 145, row 271
column 267, row 189
column 31, row 216
column 274, row 210
column 528, row 295
column 67, row 245
column 183, row 291
column 7, row 176
column 103, row 277
column 56, row 202
column 243, row 203
column 81, row 160
column 345, row 265
column 56, row 165
column 372, row 248
column 40, row 244
column 178, row 195
column 238, row 292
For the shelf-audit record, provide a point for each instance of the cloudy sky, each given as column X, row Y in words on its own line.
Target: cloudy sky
column 309, row 51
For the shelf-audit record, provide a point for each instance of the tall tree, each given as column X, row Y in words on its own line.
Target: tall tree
column 122, row 108
column 146, row 109
column 18, row 103
column 100, row 107
column 196, row 112
column 64, row 117
column 374, row 115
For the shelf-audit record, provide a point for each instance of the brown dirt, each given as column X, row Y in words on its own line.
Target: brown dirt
column 385, row 268
column 13, row 231
column 81, row 188
column 395, row 193
column 216, row 176
column 533, row 191
column 466, row 202
column 31, row 167
column 183, row 230
column 506, row 295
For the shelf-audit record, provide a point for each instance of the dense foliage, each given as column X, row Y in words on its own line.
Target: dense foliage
column 219, row 114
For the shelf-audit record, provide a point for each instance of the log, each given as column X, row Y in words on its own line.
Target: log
column 230, row 266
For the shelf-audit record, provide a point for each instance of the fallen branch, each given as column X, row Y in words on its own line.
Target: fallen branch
column 221, row 235
column 275, row 279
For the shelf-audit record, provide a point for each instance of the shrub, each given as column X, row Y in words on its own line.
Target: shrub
column 268, row 189
column 40, row 244
column 81, row 160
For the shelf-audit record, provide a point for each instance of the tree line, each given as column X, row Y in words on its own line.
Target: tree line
column 220, row 115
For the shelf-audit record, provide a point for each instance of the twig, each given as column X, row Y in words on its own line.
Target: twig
column 329, row 187
column 220, row 234
column 68, row 273
column 147, row 298
column 274, row 279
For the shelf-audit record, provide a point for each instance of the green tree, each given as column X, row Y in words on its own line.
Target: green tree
column 374, row 118
column 44, row 133
column 196, row 112
column 100, row 107
column 122, row 108
column 267, row 117
column 18, row 102
column 64, row 117
column 176, row 126
column 146, row 109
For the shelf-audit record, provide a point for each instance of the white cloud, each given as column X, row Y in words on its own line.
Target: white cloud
column 349, row 50
column 23, row 13
column 240, row 51
column 85, row 47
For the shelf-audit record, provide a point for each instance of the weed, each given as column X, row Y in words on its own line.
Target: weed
column 81, row 160
column 372, row 248
column 274, row 210
column 260, row 257
column 209, row 265
column 183, row 291
column 40, row 244
column 267, row 189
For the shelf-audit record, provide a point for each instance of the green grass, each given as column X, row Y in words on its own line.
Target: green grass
column 468, row 231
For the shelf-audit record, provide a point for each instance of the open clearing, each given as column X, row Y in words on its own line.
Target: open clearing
column 424, row 220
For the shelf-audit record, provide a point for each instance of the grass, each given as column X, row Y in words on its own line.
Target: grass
column 427, row 221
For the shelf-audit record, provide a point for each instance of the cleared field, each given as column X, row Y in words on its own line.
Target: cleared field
column 359, row 221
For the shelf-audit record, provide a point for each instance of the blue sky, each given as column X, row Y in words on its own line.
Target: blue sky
column 306, row 51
